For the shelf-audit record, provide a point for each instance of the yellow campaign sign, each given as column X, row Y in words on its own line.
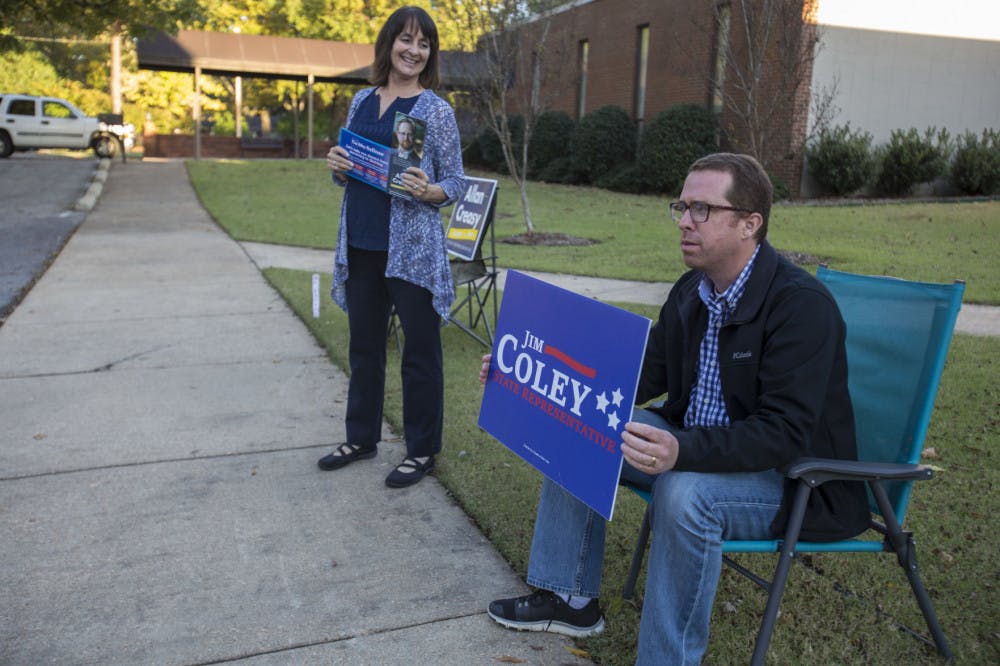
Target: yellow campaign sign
column 462, row 234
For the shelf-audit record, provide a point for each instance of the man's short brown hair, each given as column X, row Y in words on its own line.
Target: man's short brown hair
column 751, row 189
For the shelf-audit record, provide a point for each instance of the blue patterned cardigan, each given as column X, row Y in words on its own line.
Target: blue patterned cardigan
column 416, row 236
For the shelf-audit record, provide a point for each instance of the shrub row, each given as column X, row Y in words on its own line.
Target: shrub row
column 607, row 149
column 842, row 160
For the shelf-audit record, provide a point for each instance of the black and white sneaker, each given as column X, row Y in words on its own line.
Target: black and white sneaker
column 546, row 611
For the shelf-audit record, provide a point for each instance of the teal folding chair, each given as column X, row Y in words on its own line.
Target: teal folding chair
column 898, row 333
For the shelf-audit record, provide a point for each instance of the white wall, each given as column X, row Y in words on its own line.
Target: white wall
column 890, row 80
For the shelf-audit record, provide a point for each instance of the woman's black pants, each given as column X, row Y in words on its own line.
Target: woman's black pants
column 370, row 298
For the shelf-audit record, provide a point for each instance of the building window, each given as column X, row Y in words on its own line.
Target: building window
column 583, row 55
column 723, row 14
column 641, row 66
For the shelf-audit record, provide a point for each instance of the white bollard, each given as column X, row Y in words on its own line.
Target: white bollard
column 315, row 295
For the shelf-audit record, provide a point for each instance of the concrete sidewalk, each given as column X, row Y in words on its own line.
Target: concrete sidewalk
column 163, row 410
column 983, row 320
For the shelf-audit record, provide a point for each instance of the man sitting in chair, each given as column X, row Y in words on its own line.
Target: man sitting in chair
column 749, row 352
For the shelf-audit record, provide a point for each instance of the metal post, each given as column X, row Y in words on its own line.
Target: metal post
column 309, row 91
column 295, row 121
column 197, row 112
column 238, row 85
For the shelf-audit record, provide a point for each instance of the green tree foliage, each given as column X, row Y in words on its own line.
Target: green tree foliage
column 357, row 21
column 28, row 72
column 338, row 20
column 31, row 73
column 89, row 19
column 165, row 98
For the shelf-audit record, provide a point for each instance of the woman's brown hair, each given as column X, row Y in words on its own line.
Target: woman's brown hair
column 394, row 25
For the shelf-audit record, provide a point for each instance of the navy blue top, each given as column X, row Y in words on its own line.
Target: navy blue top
column 368, row 208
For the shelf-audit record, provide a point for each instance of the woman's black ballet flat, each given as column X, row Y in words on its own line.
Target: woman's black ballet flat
column 409, row 472
column 345, row 454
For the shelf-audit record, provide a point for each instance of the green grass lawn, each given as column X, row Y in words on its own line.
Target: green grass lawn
column 838, row 609
column 293, row 202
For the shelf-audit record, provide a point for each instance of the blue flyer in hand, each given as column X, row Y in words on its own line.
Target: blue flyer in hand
column 371, row 160
column 381, row 166
column 562, row 385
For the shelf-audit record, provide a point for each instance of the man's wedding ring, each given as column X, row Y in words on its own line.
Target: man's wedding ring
column 652, row 461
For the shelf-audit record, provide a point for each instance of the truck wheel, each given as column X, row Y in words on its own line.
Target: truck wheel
column 6, row 145
column 105, row 146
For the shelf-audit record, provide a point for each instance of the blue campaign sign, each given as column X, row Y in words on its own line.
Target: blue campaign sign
column 562, row 385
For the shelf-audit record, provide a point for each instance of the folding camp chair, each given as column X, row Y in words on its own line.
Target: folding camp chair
column 898, row 334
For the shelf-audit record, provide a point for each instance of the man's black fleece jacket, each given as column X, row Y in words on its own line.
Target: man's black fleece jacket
column 783, row 370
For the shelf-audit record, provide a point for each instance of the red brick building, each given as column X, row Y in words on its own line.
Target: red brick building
column 647, row 55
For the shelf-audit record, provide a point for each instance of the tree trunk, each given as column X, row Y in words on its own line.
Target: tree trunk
column 529, row 225
column 116, row 68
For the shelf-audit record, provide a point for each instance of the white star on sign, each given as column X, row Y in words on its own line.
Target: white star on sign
column 602, row 403
column 617, row 397
column 613, row 421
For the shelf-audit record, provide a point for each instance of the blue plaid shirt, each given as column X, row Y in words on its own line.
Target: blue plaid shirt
column 707, row 407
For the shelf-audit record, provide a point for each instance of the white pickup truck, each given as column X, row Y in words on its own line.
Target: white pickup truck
column 28, row 122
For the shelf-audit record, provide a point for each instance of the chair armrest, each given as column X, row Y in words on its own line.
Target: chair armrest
column 816, row 471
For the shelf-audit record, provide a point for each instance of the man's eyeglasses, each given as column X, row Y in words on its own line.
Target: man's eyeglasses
column 699, row 210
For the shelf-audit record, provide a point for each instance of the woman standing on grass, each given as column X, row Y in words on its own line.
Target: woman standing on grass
column 391, row 252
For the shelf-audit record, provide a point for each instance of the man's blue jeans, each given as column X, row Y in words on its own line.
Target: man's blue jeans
column 692, row 513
